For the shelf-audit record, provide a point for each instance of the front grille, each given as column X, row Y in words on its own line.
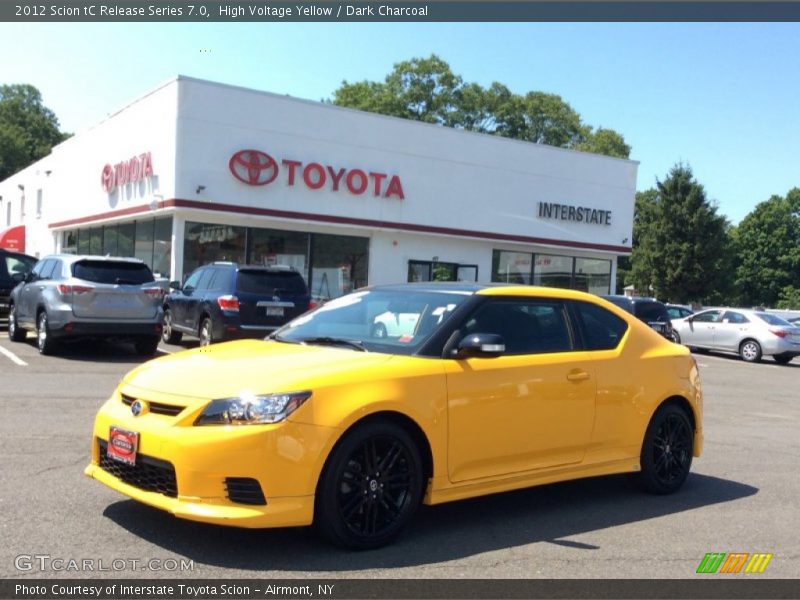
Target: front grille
column 148, row 474
column 244, row 490
column 155, row 407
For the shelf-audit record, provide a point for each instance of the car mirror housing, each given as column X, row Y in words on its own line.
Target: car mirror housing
column 18, row 277
column 481, row 345
column 175, row 285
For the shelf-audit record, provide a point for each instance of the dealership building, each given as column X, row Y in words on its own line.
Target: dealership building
column 195, row 171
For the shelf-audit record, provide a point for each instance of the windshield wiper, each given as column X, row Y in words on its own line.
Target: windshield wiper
column 332, row 341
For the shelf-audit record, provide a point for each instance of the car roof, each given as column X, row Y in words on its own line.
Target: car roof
column 71, row 258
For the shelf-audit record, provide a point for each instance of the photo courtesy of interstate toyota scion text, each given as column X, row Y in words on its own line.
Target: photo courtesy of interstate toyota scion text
column 353, row 414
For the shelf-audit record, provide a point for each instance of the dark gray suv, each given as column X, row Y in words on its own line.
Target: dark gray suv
column 13, row 268
column 68, row 296
column 649, row 310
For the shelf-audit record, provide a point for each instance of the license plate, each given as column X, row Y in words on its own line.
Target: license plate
column 122, row 445
column 274, row 311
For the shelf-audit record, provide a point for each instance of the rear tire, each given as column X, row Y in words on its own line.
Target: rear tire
column 206, row 332
column 147, row 346
column 370, row 488
column 666, row 451
column 750, row 351
column 44, row 339
column 15, row 334
column 168, row 334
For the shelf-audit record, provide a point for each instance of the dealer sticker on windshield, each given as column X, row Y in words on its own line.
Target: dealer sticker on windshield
column 122, row 445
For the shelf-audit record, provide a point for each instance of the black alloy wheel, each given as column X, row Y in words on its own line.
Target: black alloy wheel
column 370, row 488
column 15, row 333
column 44, row 339
column 206, row 333
column 168, row 334
column 667, row 450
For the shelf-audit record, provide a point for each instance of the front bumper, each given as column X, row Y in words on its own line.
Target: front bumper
column 285, row 458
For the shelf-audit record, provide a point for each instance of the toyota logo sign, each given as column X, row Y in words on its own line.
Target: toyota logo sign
column 253, row 167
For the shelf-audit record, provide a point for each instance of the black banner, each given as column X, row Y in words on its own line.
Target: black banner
column 398, row 11
column 711, row 587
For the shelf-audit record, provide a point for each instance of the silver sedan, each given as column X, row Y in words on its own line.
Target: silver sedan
column 749, row 333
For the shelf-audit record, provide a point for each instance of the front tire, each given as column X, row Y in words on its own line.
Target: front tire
column 15, row 334
column 750, row 351
column 168, row 334
column 370, row 488
column 44, row 340
column 666, row 451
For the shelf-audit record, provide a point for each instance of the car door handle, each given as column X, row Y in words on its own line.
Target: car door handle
column 577, row 375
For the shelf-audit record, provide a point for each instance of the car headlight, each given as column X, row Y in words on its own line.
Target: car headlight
column 252, row 409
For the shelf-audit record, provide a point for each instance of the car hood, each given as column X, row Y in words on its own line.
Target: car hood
column 226, row 370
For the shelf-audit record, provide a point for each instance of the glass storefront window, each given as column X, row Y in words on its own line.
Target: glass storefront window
column 162, row 247
column 96, row 240
column 553, row 271
column 593, row 275
column 512, row 267
column 205, row 243
column 272, row 247
column 143, row 247
column 339, row 264
column 126, row 233
column 69, row 243
column 110, row 240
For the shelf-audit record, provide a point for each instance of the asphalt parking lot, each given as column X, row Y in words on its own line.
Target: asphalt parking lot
column 742, row 496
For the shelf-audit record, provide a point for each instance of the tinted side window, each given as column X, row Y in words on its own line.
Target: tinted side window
column 652, row 311
column 602, row 330
column 205, row 279
column 219, row 280
column 711, row 316
column 58, row 270
column 193, row 279
column 735, row 318
column 526, row 326
column 112, row 272
column 47, row 269
column 257, row 281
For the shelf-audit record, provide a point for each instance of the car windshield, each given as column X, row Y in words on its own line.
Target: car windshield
column 262, row 281
column 773, row 320
column 109, row 271
column 389, row 321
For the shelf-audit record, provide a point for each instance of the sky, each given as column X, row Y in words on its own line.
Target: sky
column 721, row 98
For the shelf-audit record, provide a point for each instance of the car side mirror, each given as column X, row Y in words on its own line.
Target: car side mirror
column 481, row 345
column 29, row 276
column 18, row 277
column 175, row 285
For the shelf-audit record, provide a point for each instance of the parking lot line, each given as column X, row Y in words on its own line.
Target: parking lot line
column 13, row 357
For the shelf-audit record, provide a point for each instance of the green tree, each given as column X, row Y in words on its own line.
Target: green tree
column 768, row 251
column 682, row 246
column 28, row 129
column 426, row 89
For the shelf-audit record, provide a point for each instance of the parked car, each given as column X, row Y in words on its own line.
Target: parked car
column 749, row 333
column 498, row 388
column 13, row 268
column 69, row 296
column 648, row 310
column 678, row 311
column 225, row 300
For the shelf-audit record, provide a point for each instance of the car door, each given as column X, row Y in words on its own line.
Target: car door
column 699, row 330
column 731, row 330
column 194, row 300
column 530, row 408
column 179, row 299
column 31, row 293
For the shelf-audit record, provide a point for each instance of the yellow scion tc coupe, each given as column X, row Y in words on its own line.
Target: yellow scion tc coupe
column 348, row 421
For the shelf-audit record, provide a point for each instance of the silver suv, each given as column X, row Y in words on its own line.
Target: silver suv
column 68, row 296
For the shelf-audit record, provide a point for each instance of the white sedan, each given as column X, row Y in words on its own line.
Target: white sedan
column 750, row 334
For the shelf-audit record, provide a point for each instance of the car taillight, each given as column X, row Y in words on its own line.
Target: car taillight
column 156, row 292
column 228, row 303
column 312, row 304
column 74, row 289
column 779, row 332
